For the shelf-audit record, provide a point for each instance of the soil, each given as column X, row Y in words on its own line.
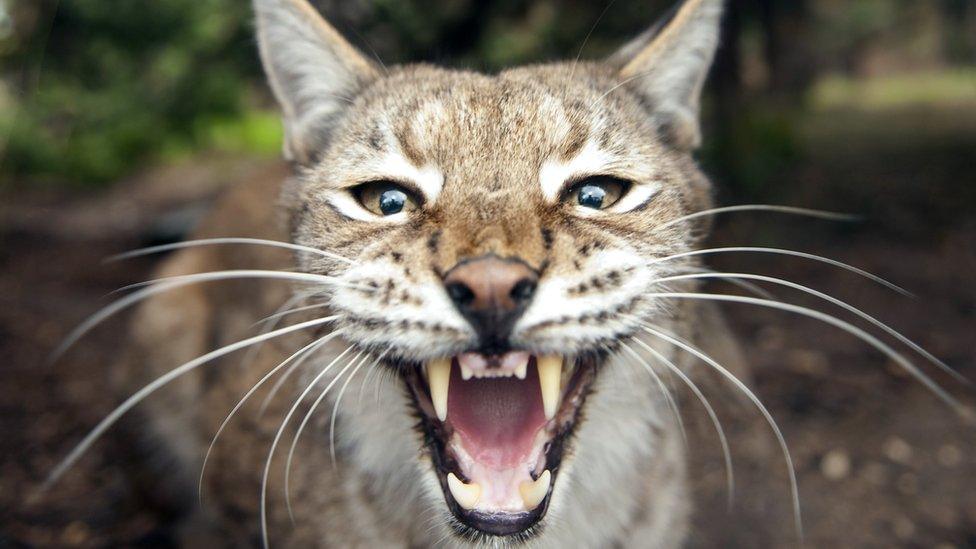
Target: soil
column 880, row 461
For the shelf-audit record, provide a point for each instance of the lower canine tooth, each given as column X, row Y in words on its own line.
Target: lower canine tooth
column 533, row 492
column 466, row 495
column 439, row 379
column 550, row 370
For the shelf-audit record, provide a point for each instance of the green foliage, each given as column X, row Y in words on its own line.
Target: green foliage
column 92, row 89
column 119, row 80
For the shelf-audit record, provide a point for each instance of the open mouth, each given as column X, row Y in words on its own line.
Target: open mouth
column 497, row 427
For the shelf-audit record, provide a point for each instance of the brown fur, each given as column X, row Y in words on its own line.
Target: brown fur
column 487, row 137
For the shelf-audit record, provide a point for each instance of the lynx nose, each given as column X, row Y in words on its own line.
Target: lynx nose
column 491, row 293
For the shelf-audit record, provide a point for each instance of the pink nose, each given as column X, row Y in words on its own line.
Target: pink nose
column 491, row 293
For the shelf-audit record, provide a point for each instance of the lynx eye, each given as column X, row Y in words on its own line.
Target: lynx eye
column 597, row 192
column 385, row 197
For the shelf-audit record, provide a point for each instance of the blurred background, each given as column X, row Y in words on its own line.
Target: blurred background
column 121, row 121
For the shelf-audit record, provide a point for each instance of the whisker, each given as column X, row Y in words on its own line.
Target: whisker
column 754, row 289
column 826, row 297
column 167, row 284
column 384, row 373
column 794, row 489
column 279, row 383
column 367, row 378
column 783, row 251
column 266, row 326
column 596, row 23
column 285, row 311
column 666, row 393
column 834, row 321
column 723, row 440
column 161, row 381
column 306, row 419
column 249, row 273
column 335, row 408
column 820, row 214
column 620, row 84
column 304, row 352
column 281, row 430
column 232, row 240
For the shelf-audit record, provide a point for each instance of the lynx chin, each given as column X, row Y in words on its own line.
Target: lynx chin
column 480, row 288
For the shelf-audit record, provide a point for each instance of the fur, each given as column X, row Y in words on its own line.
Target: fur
column 490, row 158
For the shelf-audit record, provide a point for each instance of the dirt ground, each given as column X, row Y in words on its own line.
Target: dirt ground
column 881, row 462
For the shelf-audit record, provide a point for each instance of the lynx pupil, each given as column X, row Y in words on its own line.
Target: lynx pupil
column 591, row 196
column 392, row 201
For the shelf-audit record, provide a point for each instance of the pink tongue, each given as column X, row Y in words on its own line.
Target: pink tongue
column 496, row 418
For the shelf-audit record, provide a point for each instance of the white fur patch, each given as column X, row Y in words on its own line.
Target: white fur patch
column 429, row 304
column 394, row 167
column 554, row 174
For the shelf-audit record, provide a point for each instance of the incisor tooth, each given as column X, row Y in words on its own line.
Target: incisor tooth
column 522, row 370
column 550, row 370
column 466, row 495
column 533, row 492
column 439, row 379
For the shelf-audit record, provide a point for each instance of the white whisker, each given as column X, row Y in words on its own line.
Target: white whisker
column 828, row 319
column 579, row 54
column 285, row 311
column 279, row 383
column 826, row 297
column 167, row 284
column 219, row 241
column 620, row 84
column 782, row 251
column 249, row 273
column 723, row 440
column 280, row 432
column 266, row 326
column 335, row 407
column 820, row 214
column 304, row 352
column 161, row 381
column 744, row 284
column 669, row 399
column 794, row 489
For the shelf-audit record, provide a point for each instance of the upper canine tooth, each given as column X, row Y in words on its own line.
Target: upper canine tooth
column 550, row 371
column 439, row 379
column 466, row 495
column 533, row 492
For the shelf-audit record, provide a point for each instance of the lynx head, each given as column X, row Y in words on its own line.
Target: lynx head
column 502, row 233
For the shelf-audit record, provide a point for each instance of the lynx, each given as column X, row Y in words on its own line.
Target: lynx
column 482, row 279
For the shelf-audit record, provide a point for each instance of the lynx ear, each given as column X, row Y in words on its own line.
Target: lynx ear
column 313, row 72
column 668, row 64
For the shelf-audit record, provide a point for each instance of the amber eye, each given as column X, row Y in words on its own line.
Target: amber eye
column 385, row 197
column 597, row 192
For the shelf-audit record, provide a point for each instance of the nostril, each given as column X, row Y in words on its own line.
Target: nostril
column 460, row 293
column 523, row 290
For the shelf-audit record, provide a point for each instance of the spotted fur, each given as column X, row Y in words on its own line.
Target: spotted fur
column 491, row 158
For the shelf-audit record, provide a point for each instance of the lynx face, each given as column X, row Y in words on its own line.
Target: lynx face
column 502, row 234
